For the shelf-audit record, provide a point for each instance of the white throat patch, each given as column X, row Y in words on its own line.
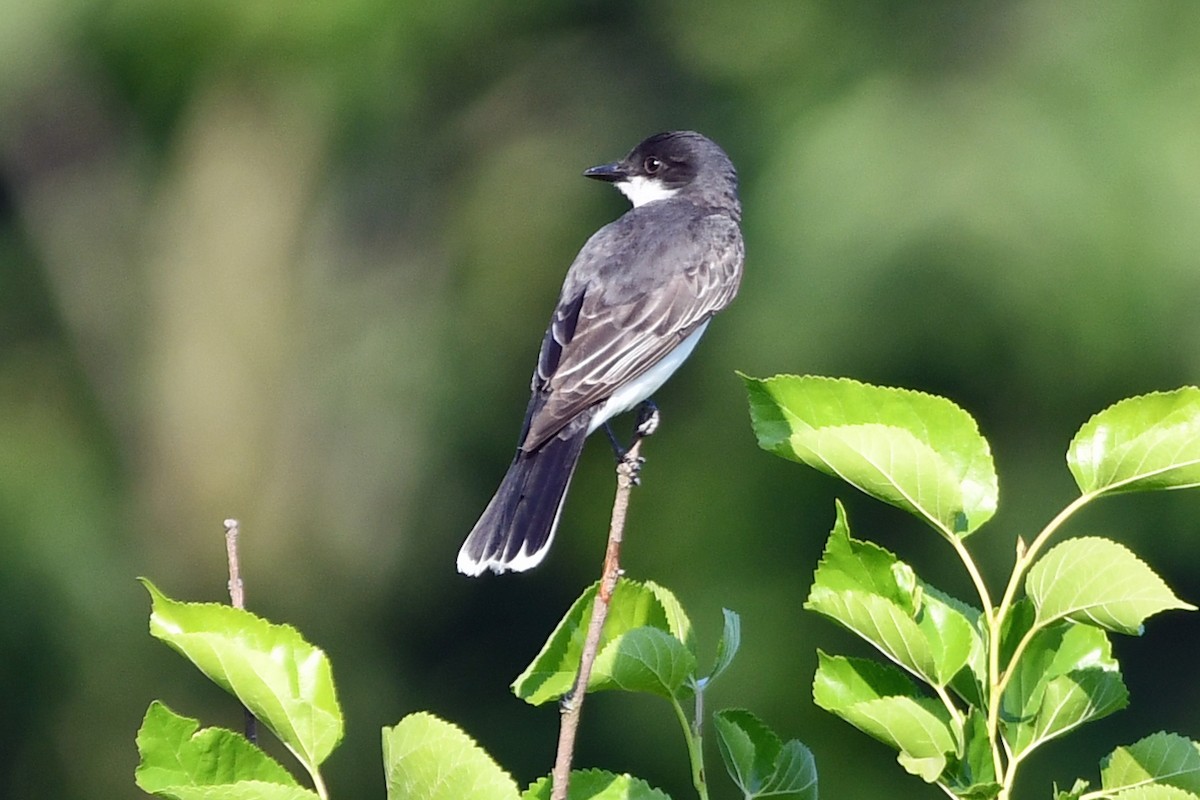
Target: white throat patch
column 641, row 190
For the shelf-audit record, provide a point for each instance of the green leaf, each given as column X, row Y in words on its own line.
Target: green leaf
column 760, row 764
column 866, row 589
column 284, row 681
column 727, row 646
column 647, row 660
column 1055, row 651
column 915, row 451
column 426, row 758
column 643, row 660
column 972, row 776
column 1069, row 701
column 1154, row 793
column 1165, row 759
column 882, row 702
column 1100, row 582
column 178, row 760
column 1075, row 792
column 595, row 784
column 1142, row 443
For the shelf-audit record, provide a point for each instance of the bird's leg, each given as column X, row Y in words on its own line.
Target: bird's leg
column 647, row 424
column 619, row 451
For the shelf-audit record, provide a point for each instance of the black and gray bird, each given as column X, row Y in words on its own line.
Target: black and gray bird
column 634, row 303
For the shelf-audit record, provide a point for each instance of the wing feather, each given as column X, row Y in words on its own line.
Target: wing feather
column 635, row 291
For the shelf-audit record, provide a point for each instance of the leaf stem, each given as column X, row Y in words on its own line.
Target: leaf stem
column 319, row 784
column 985, row 597
column 691, row 735
column 998, row 679
column 948, row 702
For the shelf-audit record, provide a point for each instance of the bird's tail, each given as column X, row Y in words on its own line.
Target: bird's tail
column 517, row 526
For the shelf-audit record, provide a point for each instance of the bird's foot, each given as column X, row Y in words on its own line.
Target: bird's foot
column 647, row 423
column 647, row 419
column 631, row 467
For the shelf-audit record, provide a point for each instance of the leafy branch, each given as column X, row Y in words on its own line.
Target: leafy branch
column 618, row 635
column 1007, row 678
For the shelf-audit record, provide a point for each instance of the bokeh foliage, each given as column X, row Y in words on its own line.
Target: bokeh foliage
column 290, row 262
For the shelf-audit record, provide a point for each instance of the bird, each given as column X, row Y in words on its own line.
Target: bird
column 633, row 305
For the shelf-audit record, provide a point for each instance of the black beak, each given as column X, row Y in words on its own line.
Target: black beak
column 613, row 173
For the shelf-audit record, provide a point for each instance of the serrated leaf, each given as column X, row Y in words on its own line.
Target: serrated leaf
column 1142, row 443
column 972, row 776
column 968, row 683
column 915, row 451
column 1068, row 701
column 1100, row 582
column 760, row 763
column 917, row 727
column 1165, row 759
column 841, row 682
column 1154, row 793
column 595, row 784
column 1054, row 651
column 179, row 760
column 883, row 703
column 285, row 682
column 244, row 790
column 426, row 758
column 866, row 589
column 634, row 605
column 643, row 660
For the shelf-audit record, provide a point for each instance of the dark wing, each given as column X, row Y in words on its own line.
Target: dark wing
column 636, row 290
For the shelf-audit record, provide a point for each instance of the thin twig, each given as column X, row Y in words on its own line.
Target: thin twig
column 572, row 706
column 237, row 597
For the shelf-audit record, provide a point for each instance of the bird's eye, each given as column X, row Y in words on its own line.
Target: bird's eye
column 652, row 165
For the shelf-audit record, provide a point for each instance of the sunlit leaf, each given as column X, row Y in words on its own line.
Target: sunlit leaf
column 179, row 760
column 284, row 681
column 881, row 702
column 426, row 758
column 916, row 451
column 1068, row 701
column 972, row 775
column 595, row 784
column 1056, row 650
column 1154, row 792
column 1074, row 793
column 1167, row 759
column 633, row 605
column 644, row 659
column 1146, row 442
column 1098, row 581
column 760, row 763
column 1065, row 678
column 869, row 591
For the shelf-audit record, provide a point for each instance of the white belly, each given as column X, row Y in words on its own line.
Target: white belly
column 646, row 384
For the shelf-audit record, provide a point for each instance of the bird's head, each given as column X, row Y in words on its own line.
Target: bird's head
column 668, row 164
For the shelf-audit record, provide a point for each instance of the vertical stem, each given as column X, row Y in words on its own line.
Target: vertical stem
column 237, row 597
column 999, row 675
column 572, row 707
column 695, row 743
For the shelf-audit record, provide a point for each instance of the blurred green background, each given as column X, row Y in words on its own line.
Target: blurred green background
column 291, row 262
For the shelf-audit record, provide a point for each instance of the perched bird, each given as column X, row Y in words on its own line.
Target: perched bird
column 633, row 305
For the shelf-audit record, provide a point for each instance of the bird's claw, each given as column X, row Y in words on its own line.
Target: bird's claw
column 633, row 468
column 647, row 419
